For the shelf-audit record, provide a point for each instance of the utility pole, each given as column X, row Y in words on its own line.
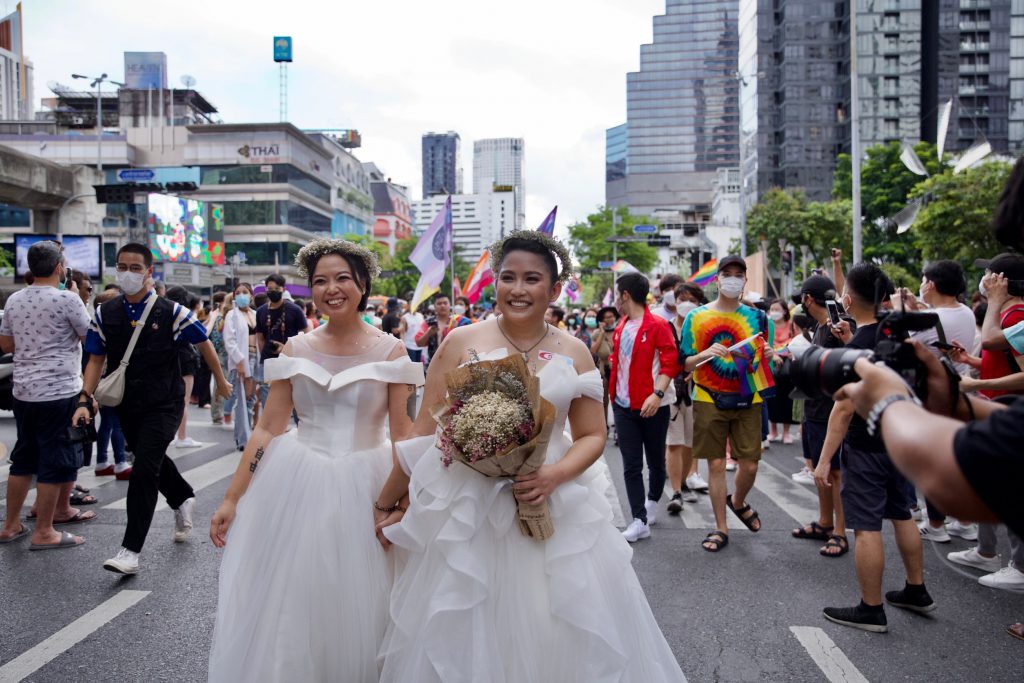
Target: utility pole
column 855, row 133
column 98, row 84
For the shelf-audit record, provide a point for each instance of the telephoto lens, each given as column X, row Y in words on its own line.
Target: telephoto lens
column 820, row 371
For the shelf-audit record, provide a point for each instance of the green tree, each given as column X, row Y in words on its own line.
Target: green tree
column 955, row 223
column 589, row 240
column 786, row 214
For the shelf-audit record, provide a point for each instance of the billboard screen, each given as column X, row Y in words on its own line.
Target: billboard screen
column 144, row 70
column 185, row 230
column 83, row 253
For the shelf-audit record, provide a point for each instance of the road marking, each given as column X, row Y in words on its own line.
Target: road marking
column 63, row 640
column 827, row 655
column 198, row 477
column 795, row 499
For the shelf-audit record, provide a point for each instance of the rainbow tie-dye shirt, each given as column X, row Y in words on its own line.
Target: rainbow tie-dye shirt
column 705, row 326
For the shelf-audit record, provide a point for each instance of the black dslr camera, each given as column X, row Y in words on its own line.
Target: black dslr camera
column 822, row 371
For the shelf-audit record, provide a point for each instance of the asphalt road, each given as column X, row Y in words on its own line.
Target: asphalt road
column 750, row 613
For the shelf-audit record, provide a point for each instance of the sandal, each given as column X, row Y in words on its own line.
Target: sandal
column 1016, row 630
column 817, row 532
column 717, row 539
column 835, row 541
column 81, row 489
column 79, row 498
column 749, row 520
column 24, row 531
column 79, row 518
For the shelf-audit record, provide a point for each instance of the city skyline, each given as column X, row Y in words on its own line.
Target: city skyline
column 554, row 81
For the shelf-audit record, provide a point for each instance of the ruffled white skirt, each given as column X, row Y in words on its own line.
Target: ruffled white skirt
column 304, row 583
column 478, row 602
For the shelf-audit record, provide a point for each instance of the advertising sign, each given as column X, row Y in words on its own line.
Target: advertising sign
column 82, row 252
column 282, row 48
column 185, row 230
column 144, row 70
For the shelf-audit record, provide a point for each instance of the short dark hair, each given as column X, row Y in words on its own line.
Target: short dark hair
column 79, row 278
column 242, row 284
column 44, row 257
column 277, row 279
column 693, row 289
column 218, row 297
column 636, row 285
column 532, row 247
column 178, row 295
column 670, row 282
column 947, row 276
column 608, row 309
column 557, row 311
column 136, row 248
column 864, row 280
column 441, row 295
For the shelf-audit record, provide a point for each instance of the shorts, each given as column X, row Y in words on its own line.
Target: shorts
column 812, row 435
column 680, row 426
column 873, row 489
column 712, row 427
column 415, row 355
column 43, row 448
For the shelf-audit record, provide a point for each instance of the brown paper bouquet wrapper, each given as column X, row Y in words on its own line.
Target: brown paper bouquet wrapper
column 534, row 520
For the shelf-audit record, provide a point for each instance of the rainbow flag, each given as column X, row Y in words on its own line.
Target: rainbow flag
column 706, row 274
column 754, row 371
column 624, row 267
column 479, row 277
column 548, row 226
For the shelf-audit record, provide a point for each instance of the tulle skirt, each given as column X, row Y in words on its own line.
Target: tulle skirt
column 478, row 602
column 304, row 582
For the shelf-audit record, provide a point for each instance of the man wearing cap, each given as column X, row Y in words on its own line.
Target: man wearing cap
column 721, row 413
column 814, row 292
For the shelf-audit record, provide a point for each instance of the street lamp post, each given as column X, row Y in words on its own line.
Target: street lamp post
column 98, row 84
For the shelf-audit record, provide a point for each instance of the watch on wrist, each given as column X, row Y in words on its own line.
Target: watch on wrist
column 875, row 415
column 659, row 393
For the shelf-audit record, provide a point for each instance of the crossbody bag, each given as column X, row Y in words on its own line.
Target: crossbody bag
column 110, row 390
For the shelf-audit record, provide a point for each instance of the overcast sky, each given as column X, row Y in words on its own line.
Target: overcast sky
column 550, row 71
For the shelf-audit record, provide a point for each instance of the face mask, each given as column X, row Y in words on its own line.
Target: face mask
column 242, row 301
column 669, row 298
column 731, row 287
column 591, row 323
column 685, row 307
column 274, row 295
column 459, row 310
column 981, row 287
column 776, row 315
column 130, row 283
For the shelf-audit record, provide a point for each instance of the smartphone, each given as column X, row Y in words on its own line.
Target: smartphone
column 83, row 432
column 833, row 312
column 943, row 346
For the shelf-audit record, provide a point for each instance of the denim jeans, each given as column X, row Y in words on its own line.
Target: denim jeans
column 241, row 414
column 109, row 434
column 638, row 435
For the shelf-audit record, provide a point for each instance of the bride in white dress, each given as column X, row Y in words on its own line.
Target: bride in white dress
column 304, row 583
column 478, row 602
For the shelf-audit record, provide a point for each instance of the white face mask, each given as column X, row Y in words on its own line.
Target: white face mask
column 668, row 298
column 776, row 315
column 731, row 287
column 981, row 287
column 685, row 307
column 130, row 283
column 458, row 310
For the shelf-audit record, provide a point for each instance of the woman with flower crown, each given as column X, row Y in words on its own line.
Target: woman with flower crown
column 304, row 583
column 478, row 601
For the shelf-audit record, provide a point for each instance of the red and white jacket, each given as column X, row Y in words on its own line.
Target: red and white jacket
column 654, row 339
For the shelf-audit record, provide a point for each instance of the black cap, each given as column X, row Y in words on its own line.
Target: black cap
column 1010, row 265
column 732, row 260
column 819, row 287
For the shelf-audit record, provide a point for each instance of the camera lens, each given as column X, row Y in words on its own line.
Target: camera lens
column 822, row 371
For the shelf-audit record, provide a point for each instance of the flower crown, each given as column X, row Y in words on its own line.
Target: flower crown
column 554, row 246
column 307, row 257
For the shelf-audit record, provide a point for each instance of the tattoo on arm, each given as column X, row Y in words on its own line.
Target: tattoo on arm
column 255, row 463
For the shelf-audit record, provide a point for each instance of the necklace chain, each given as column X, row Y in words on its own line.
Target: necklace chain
column 525, row 353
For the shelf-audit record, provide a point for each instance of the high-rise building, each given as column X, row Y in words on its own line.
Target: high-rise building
column 16, row 96
column 442, row 173
column 616, row 146
column 498, row 164
column 682, row 108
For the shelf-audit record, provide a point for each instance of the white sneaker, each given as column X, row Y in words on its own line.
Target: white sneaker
column 652, row 512
column 688, row 495
column 695, row 482
column 804, row 476
column 765, row 444
column 636, row 531
column 187, row 442
column 930, row 533
column 968, row 532
column 730, row 465
column 183, row 520
column 915, row 514
column 972, row 558
column 125, row 562
column 1008, row 578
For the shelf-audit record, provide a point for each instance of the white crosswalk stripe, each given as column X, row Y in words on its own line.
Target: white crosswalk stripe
column 197, row 477
column 832, row 661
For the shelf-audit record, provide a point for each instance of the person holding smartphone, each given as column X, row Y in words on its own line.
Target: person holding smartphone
column 277, row 321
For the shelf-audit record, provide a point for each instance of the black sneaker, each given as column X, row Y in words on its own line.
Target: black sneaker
column 861, row 617
column 675, row 505
column 914, row 598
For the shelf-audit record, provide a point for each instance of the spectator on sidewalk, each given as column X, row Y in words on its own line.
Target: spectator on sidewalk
column 239, row 327
column 644, row 361
column 43, row 326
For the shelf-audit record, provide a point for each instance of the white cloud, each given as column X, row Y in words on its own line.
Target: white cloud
column 550, row 71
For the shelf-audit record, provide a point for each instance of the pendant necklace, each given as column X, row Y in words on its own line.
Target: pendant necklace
column 524, row 353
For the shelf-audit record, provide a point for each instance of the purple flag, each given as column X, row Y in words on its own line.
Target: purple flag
column 548, row 226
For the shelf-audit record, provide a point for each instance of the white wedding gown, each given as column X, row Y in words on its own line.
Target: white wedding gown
column 478, row 602
column 304, row 582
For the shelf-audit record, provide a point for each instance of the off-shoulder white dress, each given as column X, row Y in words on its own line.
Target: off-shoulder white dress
column 304, row 583
column 478, row 602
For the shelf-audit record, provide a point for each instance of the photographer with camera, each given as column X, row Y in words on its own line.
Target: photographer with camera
column 43, row 325
column 873, row 489
column 437, row 326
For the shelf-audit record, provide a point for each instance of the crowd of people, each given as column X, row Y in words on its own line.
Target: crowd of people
column 672, row 375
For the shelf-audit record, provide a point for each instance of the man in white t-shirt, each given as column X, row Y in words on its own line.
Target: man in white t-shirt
column 942, row 284
column 667, row 286
column 410, row 325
